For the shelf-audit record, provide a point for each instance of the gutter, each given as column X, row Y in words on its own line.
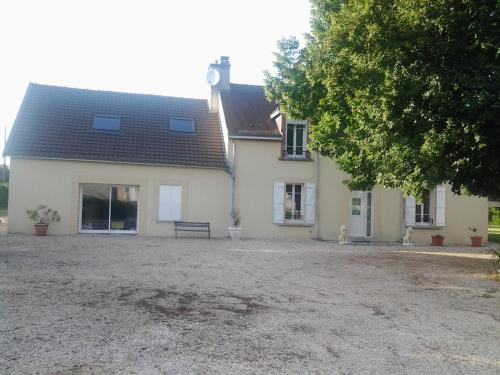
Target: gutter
column 255, row 137
column 117, row 162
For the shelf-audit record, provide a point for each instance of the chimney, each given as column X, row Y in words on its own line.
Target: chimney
column 223, row 68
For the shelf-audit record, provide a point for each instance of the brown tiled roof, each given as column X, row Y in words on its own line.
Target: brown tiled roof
column 57, row 122
column 247, row 111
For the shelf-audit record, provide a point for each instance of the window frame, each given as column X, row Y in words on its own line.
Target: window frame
column 107, row 117
column 437, row 209
column 109, row 230
column 182, row 119
column 303, row 197
column 430, row 207
column 294, row 146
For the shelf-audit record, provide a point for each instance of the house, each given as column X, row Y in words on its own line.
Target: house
column 117, row 163
column 130, row 163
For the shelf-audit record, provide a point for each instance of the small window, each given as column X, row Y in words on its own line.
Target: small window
column 296, row 139
column 356, row 207
column 430, row 212
column 182, row 125
column 106, row 123
column 422, row 210
column 294, row 202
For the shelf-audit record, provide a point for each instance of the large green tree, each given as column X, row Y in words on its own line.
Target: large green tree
column 402, row 93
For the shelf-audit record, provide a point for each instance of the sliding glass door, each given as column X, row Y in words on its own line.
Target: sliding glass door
column 108, row 208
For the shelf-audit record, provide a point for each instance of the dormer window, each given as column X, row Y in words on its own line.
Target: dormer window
column 110, row 123
column 182, row 125
column 296, row 140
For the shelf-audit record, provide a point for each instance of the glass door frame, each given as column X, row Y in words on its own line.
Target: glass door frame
column 106, row 231
column 368, row 224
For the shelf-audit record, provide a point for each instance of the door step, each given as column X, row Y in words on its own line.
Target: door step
column 361, row 239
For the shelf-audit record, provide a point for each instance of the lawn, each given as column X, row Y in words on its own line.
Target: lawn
column 494, row 234
column 136, row 305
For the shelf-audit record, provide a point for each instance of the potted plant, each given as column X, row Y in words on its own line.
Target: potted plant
column 235, row 230
column 43, row 216
column 437, row 240
column 475, row 240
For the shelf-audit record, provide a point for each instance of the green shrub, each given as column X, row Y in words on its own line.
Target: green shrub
column 494, row 216
column 4, row 195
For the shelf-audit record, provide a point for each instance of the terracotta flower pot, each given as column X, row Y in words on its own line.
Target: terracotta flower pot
column 41, row 229
column 476, row 241
column 437, row 240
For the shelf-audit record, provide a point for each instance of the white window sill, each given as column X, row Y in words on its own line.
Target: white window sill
column 295, row 158
column 432, row 226
column 294, row 224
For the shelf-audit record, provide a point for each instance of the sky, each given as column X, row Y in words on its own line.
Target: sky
column 149, row 46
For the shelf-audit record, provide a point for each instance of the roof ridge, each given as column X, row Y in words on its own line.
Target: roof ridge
column 246, row 84
column 115, row 92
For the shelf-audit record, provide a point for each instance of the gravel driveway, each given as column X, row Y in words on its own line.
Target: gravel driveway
column 135, row 305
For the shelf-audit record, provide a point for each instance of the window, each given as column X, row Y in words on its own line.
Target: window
column 296, row 139
column 106, row 123
column 106, row 208
column 422, row 210
column 294, row 203
column 356, row 206
column 182, row 125
column 170, row 203
column 430, row 212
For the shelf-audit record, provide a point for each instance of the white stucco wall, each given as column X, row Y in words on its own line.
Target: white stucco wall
column 207, row 196
column 257, row 167
column 206, row 193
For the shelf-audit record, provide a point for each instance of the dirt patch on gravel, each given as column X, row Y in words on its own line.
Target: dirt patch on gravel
column 166, row 304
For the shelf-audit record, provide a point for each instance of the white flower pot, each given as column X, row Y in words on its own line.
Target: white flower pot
column 235, row 232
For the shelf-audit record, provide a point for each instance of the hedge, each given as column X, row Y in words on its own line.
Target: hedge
column 4, row 195
column 494, row 216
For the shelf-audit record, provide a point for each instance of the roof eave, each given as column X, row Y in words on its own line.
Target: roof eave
column 119, row 162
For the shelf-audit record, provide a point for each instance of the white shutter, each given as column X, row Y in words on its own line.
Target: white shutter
column 279, row 202
column 170, row 203
column 410, row 211
column 440, row 206
column 310, row 203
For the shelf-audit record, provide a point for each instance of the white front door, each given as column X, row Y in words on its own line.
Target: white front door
column 361, row 213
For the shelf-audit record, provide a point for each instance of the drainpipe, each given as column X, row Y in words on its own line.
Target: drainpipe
column 317, row 197
column 403, row 219
column 233, row 177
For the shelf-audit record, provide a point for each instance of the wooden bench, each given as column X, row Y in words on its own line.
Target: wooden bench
column 192, row 226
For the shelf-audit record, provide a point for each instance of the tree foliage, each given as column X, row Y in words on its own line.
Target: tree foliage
column 4, row 173
column 4, row 195
column 402, row 93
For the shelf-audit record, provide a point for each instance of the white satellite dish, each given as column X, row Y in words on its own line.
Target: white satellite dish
column 213, row 77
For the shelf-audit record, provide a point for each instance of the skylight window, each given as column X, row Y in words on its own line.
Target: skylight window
column 182, row 125
column 106, row 123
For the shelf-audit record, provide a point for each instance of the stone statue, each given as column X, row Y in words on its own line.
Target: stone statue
column 407, row 237
column 343, row 238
